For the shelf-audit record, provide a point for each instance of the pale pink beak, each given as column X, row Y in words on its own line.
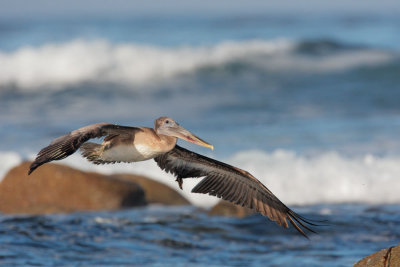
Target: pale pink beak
column 184, row 134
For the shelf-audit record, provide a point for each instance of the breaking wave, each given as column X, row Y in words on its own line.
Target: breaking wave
column 59, row 65
column 296, row 179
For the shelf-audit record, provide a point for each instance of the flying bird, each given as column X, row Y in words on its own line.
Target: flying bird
column 132, row 144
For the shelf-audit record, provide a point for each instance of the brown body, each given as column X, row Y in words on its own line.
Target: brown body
column 143, row 145
column 131, row 144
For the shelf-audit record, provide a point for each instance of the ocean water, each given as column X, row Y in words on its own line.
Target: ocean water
column 185, row 236
column 310, row 105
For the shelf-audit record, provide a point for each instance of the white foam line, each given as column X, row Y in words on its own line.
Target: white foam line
column 8, row 160
column 58, row 65
column 325, row 178
column 296, row 179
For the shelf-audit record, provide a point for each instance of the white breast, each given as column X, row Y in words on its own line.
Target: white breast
column 129, row 153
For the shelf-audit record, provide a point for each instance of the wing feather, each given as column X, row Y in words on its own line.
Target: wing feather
column 231, row 184
column 66, row 145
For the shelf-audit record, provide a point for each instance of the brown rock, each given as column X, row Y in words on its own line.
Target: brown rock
column 225, row 208
column 156, row 192
column 389, row 257
column 58, row 188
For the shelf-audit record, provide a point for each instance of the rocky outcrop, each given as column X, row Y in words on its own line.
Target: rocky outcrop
column 389, row 257
column 156, row 192
column 58, row 188
column 225, row 208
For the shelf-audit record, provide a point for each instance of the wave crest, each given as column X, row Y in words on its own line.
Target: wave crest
column 295, row 179
column 325, row 178
column 56, row 66
column 60, row 65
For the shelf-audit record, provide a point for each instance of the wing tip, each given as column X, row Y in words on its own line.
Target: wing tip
column 303, row 222
column 33, row 167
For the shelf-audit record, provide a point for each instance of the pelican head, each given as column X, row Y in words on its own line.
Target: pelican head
column 169, row 127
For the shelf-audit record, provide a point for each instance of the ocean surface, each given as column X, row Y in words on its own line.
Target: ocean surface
column 310, row 105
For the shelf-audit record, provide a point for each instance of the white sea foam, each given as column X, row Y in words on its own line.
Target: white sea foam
column 81, row 61
column 8, row 160
column 325, row 178
column 296, row 179
column 59, row 65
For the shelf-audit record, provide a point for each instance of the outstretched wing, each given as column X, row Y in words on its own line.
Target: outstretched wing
column 66, row 145
column 231, row 184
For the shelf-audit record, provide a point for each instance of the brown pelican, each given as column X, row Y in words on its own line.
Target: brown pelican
column 131, row 144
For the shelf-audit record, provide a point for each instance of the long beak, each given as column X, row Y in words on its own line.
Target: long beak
column 188, row 136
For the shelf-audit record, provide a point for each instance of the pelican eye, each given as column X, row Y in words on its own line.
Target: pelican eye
column 167, row 121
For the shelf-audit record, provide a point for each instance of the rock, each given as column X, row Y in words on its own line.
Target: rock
column 225, row 208
column 58, row 188
column 156, row 192
column 385, row 257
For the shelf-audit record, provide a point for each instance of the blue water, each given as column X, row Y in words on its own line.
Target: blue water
column 322, row 89
column 184, row 236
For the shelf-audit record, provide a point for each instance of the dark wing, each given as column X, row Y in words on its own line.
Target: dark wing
column 231, row 184
column 66, row 145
